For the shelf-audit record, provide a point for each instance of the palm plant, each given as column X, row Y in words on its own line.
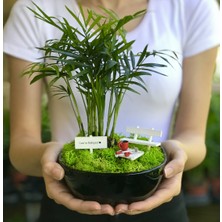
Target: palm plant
column 97, row 57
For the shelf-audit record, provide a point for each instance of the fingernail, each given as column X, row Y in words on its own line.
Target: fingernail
column 112, row 214
column 120, row 211
column 169, row 172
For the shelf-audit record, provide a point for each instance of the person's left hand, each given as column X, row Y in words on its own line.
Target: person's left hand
column 168, row 188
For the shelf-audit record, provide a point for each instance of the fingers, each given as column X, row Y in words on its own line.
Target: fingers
column 53, row 170
column 121, row 208
column 51, row 153
column 49, row 163
column 177, row 157
column 168, row 188
column 165, row 193
column 175, row 166
column 61, row 194
column 56, row 190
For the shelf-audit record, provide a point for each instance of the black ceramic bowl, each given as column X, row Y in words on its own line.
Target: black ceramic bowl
column 114, row 188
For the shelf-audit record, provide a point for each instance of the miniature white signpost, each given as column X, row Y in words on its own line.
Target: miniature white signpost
column 91, row 142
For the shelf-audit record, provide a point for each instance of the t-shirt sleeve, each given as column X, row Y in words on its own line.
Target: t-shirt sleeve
column 202, row 26
column 21, row 35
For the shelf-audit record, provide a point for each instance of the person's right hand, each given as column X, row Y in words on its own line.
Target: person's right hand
column 53, row 173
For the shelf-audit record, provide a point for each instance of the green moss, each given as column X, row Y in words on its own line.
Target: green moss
column 104, row 160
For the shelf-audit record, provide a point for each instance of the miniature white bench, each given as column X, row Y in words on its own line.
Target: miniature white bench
column 141, row 131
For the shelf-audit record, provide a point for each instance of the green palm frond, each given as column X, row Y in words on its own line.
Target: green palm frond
column 98, row 58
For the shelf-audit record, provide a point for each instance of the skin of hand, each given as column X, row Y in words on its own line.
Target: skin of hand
column 186, row 150
column 25, row 142
column 53, row 173
column 169, row 187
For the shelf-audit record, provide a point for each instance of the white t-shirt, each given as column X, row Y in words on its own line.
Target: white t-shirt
column 187, row 27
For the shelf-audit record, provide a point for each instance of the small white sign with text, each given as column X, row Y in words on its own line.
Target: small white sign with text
column 91, row 142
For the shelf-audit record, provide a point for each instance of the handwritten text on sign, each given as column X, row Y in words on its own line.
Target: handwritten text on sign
column 91, row 142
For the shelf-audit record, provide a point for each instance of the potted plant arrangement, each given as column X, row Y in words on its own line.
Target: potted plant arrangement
column 99, row 164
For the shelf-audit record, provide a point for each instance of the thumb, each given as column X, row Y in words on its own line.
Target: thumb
column 53, row 170
column 177, row 158
column 49, row 165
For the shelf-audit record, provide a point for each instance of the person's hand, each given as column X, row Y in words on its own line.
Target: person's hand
column 168, row 188
column 53, row 173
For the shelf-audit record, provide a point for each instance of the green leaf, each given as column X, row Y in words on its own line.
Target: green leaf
column 142, row 55
column 132, row 57
column 77, row 19
column 44, row 17
column 152, row 65
column 110, row 64
column 98, row 58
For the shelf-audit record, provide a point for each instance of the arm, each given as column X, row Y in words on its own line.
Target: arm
column 190, row 126
column 187, row 148
column 27, row 152
column 25, row 120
